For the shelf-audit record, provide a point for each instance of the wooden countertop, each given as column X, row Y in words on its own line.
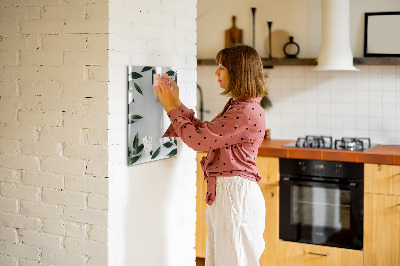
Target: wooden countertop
column 380, row 154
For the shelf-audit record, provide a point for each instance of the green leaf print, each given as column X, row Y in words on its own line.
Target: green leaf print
column 136, row 141
column 139, row 149
column 138, row 88
column 146, row 68
column 133, row 160
column 129, row 152
column 155, row 154
column 176, row 141
column 130, row 84
column 130, row 106
column 136, row 117
column 136, row 75
column 172, row 153
column 168, row 144
column 171, row 73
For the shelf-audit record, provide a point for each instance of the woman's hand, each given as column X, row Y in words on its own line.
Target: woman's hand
column 175, row 91
column 165, row 95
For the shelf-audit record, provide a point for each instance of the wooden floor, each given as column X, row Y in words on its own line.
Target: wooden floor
column 200, row 262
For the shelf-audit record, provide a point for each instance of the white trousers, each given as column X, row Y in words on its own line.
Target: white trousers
column 235, row 223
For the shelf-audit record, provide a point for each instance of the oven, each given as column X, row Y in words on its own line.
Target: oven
column 321, row 202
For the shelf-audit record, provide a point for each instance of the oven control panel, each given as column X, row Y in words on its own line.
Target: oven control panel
column 317, row 168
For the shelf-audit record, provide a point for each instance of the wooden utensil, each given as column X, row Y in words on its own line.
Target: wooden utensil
column 233, row 35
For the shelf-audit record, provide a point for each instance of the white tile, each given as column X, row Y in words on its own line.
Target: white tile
column 323, row 83
column 323, row 121
column 298, row 83
column 323, row 95
column 389, row 110
column 398, row 137
column 362, row 97
column 298, row 120
column 298, row 71
column 375, row 110
column 285, row 71
column 310, row 82
column 324, row 131
column 310, row 95
column 336, row 133
column 374, row 83
column 323, row 109
column 389, row 97
column 389, row 124
column 336, row 83
column 389, row 137
column 388, row 84
column 348, row 109
column 362, row 123
column 349, row 122
column 388, row 71
column 298, row 131
column 362, row 110
column 375, row 123
column 349, row 132
column 336, row 96
column 286, row 120
column 310, row 121
column 362, row 133
column 375, row 97
column 349, row 96
column 336, row 121
column 335, row 108
column 376, row 136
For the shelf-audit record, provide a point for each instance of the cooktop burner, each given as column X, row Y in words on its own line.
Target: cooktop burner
column 326, row 142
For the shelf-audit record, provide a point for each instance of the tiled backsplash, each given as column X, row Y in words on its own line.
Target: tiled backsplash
column 365, row 103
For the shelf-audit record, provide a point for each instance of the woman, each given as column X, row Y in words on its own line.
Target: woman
column 236, row 211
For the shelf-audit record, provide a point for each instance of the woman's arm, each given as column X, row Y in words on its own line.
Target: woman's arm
column 232, row 128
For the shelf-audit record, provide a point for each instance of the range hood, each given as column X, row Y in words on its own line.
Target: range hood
column 335, row 52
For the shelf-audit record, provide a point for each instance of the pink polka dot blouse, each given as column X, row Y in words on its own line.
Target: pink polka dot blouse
column 232, row 139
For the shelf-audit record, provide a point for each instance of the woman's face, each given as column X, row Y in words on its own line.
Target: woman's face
column 223, row 77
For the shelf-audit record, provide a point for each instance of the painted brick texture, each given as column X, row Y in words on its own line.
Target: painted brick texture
column 53, row 135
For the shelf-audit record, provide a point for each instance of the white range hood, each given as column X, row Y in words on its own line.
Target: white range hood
column 335, row 52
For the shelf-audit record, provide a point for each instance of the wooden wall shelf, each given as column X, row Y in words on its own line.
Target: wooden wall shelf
column 269, row 63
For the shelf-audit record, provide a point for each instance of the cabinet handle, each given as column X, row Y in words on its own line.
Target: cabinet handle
column 318, row 254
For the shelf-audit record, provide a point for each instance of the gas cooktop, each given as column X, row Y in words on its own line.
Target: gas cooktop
column 326, row 142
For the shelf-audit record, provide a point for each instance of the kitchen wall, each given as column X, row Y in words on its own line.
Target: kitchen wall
column 337, row 103
column 63, row 98
column 53, row 133
column 152, row 205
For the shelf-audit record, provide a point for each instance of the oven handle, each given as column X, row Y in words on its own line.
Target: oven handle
column 318, row 254
column 310, row 182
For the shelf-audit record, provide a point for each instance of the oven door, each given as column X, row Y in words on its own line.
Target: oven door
column 321, row 212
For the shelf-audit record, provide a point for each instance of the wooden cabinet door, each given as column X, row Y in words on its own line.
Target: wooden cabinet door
column 299, row 254
column 268, row 168
column 381, row 230
column 271, row 232
column 382, row 179
column 201, row 205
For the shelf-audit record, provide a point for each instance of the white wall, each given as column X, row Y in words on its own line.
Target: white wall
column 152, row 205
column 53, row 133
column 337, row 103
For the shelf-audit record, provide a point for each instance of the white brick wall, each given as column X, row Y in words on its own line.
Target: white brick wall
column 148, row 201
column 53, row 132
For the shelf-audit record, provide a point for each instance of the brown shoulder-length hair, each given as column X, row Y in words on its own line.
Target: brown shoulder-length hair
column 245, row 69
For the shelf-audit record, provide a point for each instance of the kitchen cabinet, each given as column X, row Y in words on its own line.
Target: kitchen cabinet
column 300, row 254
column 382, row 215
column 382, row 179
column 269, row 170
